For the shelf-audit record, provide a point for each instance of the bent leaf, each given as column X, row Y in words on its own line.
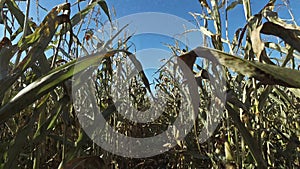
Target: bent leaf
column 267, row 74
column 290, row 36
column 104, row 7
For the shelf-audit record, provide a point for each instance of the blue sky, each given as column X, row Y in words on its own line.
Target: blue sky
column 176, row 7
column 180, row 8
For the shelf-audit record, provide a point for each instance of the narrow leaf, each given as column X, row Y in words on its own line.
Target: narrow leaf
column 104, row 7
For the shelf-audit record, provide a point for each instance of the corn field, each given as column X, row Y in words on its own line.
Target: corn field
column 44, row 65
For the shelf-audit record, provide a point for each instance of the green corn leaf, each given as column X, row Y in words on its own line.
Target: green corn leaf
column 48, row 82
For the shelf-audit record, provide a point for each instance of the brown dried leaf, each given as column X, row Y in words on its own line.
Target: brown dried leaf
column 189, row 59
column 290, row 36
